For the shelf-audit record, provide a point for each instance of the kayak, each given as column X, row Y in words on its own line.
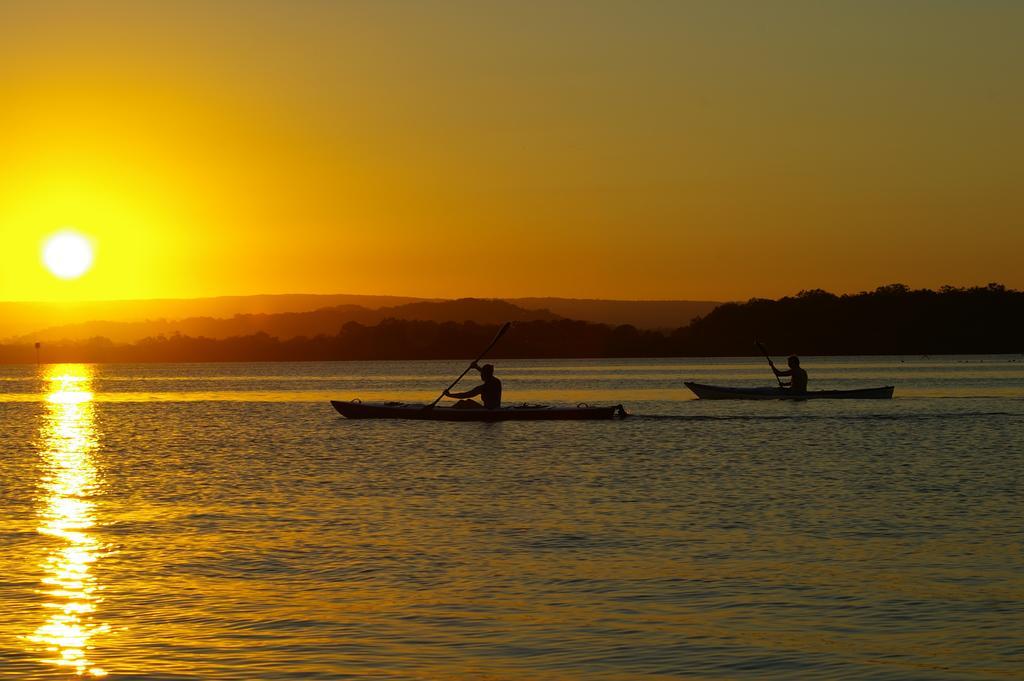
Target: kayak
column 526, row 412
column 714, row 392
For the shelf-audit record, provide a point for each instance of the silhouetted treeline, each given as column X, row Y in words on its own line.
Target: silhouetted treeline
column 390, row 339
column 890, row 320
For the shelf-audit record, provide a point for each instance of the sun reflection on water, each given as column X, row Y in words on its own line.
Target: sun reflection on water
column 68, row 483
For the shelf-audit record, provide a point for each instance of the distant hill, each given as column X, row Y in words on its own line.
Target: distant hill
column 24, row 318
column 126, row 320
column 643, row 314
column 892, row 320
column 479, row 310
column 326, row 321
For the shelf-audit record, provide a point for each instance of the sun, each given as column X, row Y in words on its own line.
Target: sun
column 67, row 254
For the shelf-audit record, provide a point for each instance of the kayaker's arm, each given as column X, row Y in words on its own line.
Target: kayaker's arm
column 466, row 395
column 787, row 372
column 471, row 393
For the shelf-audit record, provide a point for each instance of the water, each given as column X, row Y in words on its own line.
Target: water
column 222, row 522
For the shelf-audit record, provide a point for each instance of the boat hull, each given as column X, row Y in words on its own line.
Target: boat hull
column 713, row 392
column 420, row 412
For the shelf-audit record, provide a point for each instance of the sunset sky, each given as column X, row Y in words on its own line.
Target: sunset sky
column 715, row 150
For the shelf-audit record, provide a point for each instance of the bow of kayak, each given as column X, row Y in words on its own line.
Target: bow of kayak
column 714, row 392
column 421, row 412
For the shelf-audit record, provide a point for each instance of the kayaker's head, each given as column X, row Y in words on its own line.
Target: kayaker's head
column 794, row 362
column 487, row 370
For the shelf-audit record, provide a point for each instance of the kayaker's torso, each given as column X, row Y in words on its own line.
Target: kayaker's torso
column 796, row 373
column 798, row 382
column 489, row 391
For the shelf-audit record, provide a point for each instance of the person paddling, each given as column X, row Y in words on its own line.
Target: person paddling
column 489, row 390
column 798, row 376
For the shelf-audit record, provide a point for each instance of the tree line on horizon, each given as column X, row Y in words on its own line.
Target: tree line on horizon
column 891, row 320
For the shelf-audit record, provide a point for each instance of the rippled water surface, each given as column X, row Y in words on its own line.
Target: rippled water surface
column 223, row 522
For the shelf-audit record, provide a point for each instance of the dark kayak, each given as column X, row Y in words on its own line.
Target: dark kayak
column 421, row 412
column 714, row 392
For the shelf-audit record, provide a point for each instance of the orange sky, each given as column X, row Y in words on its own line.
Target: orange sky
column 590, row 149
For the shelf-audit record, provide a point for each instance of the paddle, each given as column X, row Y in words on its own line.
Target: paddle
column 764, row 351
column 497, row 337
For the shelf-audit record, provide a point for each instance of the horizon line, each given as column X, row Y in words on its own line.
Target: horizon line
column 485, row 297
column 362, row 295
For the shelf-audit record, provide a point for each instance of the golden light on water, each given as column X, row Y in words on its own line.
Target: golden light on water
column 69, row 481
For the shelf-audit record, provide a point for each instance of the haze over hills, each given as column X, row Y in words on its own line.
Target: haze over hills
column 24, row 318
column 643, row 314
column 294, row 315
column 286, row 325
